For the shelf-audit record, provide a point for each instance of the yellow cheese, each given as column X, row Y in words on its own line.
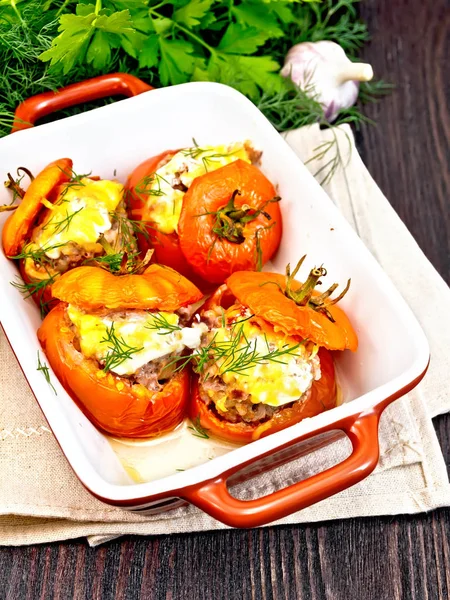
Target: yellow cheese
column 274, row 381
column 137, row 336
column 80, row 215
column 164, row 201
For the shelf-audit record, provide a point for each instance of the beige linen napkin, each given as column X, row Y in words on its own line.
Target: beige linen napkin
column 41, row 500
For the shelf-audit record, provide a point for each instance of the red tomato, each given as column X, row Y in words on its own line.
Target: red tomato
column 196, row 250
column 323, row 397
column 19, row 225
column 217, row 241
column 262, row 293
column 114, row 403
column 111, row 402
column 264, row 303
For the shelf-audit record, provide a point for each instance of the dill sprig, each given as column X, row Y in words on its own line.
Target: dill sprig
column 160, row 323
column 198, row 431
column 129, row 228
column 75, row 180
column 290, row 108
column 35, row 287
column 43, row 368
column 239, row 354
column 236, row 355
column 37, row 254
column 210, row 159
column 118, row 350
column 113, row 262
column 64, row 223
column 324, row 151
column 373, row 91
column 147, row 184
column 213, row 157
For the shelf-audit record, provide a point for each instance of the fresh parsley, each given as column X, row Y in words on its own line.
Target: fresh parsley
column 242, row 43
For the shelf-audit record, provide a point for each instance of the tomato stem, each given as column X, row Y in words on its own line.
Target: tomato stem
column 13, row 185
column 230, row 220
column 303, row 296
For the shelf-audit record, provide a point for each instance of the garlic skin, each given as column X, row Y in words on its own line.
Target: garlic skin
column 324, row 71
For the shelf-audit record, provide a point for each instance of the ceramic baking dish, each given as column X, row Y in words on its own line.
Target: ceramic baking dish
column 393, row 353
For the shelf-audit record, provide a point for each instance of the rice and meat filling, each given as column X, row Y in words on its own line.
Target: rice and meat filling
column 144, row 347
column 248, row 371
column 88, row 220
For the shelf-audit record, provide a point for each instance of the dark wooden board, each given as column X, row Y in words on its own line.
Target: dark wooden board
column 362, row 559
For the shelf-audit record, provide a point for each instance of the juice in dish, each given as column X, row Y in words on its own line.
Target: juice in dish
column 179, row 450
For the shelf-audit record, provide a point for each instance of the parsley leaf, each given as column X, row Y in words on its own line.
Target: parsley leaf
column 192, row 13
column 149, row 54
column 80, row 31
column 241, row 43
column 255, row 15
column 99, row 51
column 245, row 73
column 240, row 40
column 177, row 64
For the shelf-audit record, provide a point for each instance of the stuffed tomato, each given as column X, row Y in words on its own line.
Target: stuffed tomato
column 64, row 221
column 265, row 362
column 117, row 345
column 208, row 211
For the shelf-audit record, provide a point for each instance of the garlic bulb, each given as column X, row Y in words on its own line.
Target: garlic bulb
column 323, row 70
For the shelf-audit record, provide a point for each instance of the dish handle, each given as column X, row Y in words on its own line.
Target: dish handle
column 214, row 498
column 113, row 84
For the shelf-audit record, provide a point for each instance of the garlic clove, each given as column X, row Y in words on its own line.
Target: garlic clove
column 324, row 72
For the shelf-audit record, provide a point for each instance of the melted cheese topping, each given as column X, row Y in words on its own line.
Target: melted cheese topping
column 80, row 215
column 164, row 201
column 136, row 335
column 274, row 381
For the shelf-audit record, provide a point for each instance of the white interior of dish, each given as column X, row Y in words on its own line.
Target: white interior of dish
column 392, row 352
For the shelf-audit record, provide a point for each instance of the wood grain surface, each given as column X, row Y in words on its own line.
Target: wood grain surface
column 363, row 559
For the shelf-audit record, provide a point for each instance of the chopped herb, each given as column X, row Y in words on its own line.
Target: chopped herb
column 118, row 350
column 161, row 323
column 64, row 224
column 198, row 430
column 238, row 354
column 195, row 152
column 112, row 261
column 215, row 158
column 75, row 180
column 43, row 368
column 146, row 185
column 37, row 254
column 129, row 228
column 235, row 355
column 35, row 287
